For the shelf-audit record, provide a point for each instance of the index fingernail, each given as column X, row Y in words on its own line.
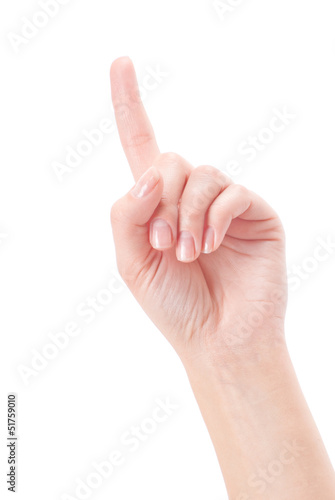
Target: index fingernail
column 146, row 183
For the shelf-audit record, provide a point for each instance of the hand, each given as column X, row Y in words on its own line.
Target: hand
column 204, row 257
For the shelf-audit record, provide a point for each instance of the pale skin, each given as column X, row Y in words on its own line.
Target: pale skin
column 205, row 258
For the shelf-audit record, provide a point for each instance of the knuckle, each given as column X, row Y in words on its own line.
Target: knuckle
column 138, row 140
column 215, row 173
column 207, row 170
column 240, row 191
column 167, row 211
column 205, row 187
column 176, row 164
column 168, row 158
column 212, row 180
column 224, row 178
column 190, row 212
column 166, row 204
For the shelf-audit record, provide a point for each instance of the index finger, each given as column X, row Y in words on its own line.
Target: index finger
column 135, row 130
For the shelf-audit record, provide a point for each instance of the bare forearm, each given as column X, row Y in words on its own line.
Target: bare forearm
column 264, row 435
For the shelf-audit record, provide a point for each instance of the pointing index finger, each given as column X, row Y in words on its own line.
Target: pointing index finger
column 135, row 130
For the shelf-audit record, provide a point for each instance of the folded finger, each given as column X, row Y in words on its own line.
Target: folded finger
column 205, row 183
column 175, row 171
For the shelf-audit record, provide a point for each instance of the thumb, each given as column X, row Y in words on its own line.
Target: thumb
column 130, row 216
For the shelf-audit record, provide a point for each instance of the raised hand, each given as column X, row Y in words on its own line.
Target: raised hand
column 204, row 257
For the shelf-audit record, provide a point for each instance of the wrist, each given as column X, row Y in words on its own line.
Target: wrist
column 220, row 364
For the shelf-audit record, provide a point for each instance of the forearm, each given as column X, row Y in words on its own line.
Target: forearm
column 266, row 440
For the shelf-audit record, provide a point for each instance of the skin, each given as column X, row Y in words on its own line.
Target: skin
column 205, row 258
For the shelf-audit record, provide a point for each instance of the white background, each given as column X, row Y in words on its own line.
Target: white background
column 224, row 75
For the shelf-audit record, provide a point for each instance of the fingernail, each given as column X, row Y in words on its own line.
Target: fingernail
column 186, row 247
column 146, row 183
column 208, row 240
column 160, row 234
